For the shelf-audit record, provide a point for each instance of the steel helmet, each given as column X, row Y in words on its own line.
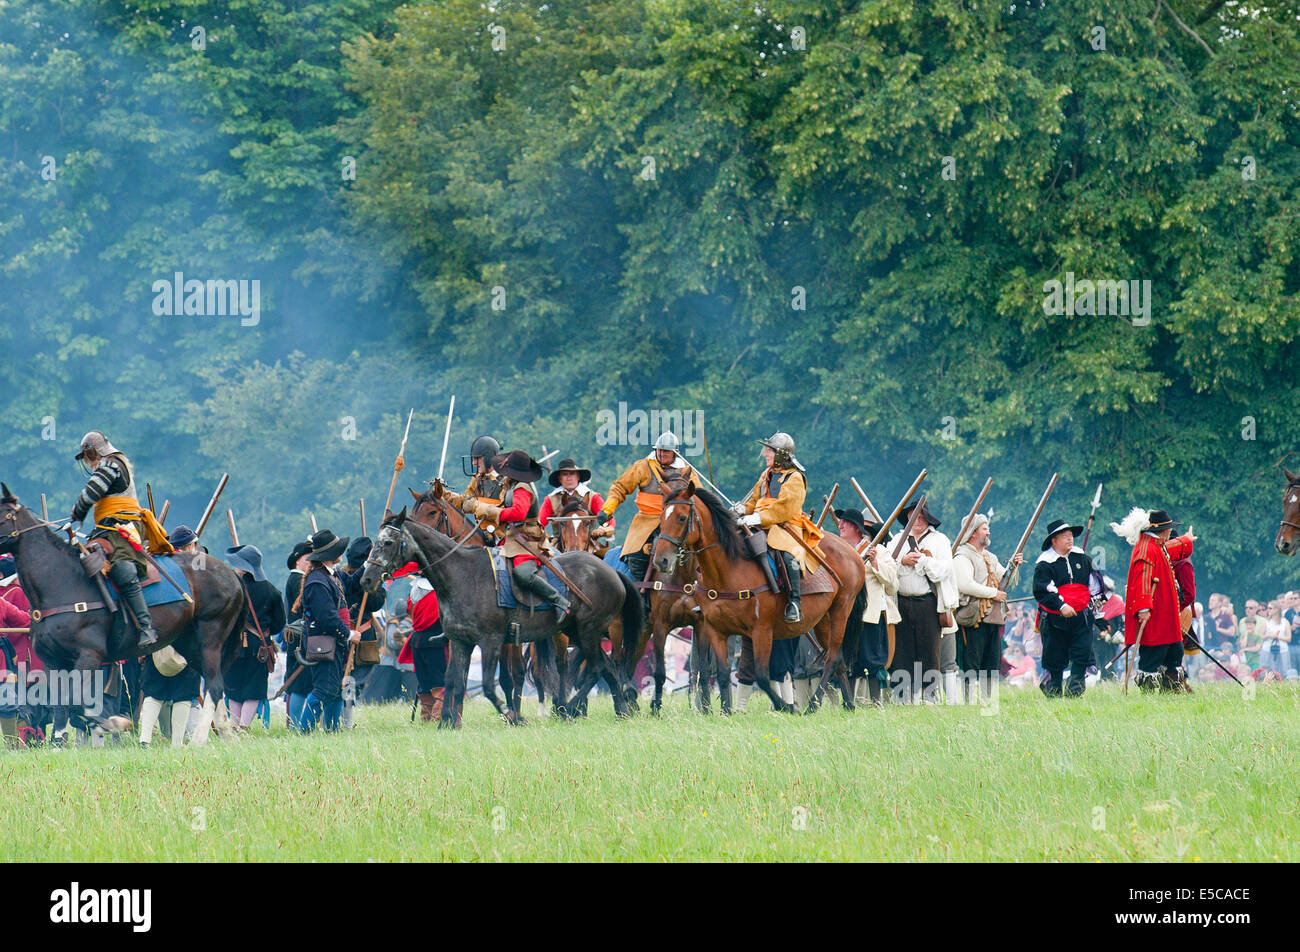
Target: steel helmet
column 97, row 443
column 484, row 447
column 667, row 440
column 782, row 445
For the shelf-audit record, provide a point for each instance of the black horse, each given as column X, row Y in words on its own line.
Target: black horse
column 467, row 604
column 205, row 633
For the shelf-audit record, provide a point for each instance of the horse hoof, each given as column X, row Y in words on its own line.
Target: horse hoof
column 655, row 708
column 117, row 724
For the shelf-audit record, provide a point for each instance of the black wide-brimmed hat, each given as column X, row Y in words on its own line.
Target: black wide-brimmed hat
column 248, row 558
column 1057, row 526
column 520, row 467
column 181, row 536
column 357, row 551
column 326, row 546
column 853, row 517
column 926, row 514
column 299, row 550
column 569, row 466
column 1159, row 520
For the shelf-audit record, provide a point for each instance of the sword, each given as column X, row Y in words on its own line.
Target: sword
column 542, row 557
column 446, row 435
column 710, row 484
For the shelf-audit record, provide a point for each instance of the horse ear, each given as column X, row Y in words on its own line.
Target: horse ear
column 414, row 494
column 7, row 493
column 401, row 516
column 437, row 489
column 690, row 490
column 1290, row 478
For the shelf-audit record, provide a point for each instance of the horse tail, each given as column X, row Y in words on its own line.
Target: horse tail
column 633, row 619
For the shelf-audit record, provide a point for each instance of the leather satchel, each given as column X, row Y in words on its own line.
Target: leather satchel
column 320, row 648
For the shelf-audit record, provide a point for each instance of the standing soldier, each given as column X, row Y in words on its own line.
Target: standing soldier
column 1063, row 585
column 573, row 493
column 646, row 478
column 1151, row 599
column 776, row 504
column 924, row 565
column 120, row 519
column 981, row 612
column 878, row 603
column 519, row 512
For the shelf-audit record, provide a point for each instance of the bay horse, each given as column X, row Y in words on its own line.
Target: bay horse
column 205, row 633
column 434, row 510
column 1286, row 542
column 734, row 599
column 467, row 603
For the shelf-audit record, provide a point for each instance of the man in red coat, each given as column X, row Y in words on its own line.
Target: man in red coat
column 1151, row 605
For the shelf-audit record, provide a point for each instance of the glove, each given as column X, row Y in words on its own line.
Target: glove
column 79, row 511
column 487, row 512
column 738, row 508
column 754, row 520
column 602, row 532
column 603, row 517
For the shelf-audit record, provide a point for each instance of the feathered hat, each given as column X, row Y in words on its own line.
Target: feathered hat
column 1131, row 527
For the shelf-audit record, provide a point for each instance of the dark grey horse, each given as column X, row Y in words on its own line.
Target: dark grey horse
column 205, row 633
column 467, row 606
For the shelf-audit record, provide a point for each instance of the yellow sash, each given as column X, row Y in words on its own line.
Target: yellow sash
column 126, row 507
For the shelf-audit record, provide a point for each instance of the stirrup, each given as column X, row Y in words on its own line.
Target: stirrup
column 792, row 612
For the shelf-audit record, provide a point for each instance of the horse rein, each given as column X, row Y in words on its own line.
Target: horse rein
column 1290, row 488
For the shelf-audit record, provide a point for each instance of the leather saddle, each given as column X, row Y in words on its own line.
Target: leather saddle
column 151, row 571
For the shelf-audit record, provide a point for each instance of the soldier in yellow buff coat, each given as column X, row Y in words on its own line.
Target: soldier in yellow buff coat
column 776, row 504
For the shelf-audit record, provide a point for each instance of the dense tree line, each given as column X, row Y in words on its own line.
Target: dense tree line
column 839, row 221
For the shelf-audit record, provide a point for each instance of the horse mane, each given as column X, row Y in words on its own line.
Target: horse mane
column 724, row 522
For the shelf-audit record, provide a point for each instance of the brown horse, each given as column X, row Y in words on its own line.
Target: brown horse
column 72, row 634
column 734, row 599
column 435, row 511
column 1286, row 541
column 573, row 531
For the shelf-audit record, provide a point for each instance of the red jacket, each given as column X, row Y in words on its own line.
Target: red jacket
column 424, row 615
column 15, row 612
column 548, row 510
column 1151, row 586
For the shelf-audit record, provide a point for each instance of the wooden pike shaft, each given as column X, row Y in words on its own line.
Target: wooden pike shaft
column 212, row 504
column 400, row 462
column 871, row 510
column 230, row 521
column 830, row 501
column 1042, row 504
column 902, row 504
column 970, row 517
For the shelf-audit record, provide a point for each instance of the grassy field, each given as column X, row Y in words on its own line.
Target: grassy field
column 1206, row 778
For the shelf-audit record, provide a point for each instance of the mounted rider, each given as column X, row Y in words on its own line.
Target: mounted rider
column 776, row 504
column 485, row 483
column 646, row 478
column 572, row 493
column 122, row 521
column 519, row 518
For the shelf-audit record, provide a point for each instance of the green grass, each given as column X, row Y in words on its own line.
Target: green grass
column 1205, row 778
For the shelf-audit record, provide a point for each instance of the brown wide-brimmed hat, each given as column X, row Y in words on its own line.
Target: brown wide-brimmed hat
column 569, row 466
column 326, row 546
column 518, row 466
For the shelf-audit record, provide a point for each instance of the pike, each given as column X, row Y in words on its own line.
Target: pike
column 1096, row 503
column 212, row 504
column 974, row 510
column 230, row 522
column 885, row 524
column 871, row 510
column 830, row 501
column 398, row 465
column 1042, row 504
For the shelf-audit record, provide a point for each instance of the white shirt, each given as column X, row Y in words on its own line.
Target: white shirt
column 934, row 568
column 882, row 588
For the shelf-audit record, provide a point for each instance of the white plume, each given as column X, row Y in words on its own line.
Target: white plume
column 1131, row 526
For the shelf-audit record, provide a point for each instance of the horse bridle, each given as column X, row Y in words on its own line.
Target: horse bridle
column 420, row 560
column 679, row 542
column 1290, row 487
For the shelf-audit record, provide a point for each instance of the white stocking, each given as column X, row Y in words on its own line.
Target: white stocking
column 150, row 708
column 180, row 718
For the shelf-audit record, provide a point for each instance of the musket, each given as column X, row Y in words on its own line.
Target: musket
column 1192, row 638
column 907, row 530
column 212, row 504
column 446, row 435
column 902, row 504
column 148, row 491
column 871, row 510
column 45, row 513
column 965, row 525
column 363, row 518
column 1042, row 504
column 162, row 513
column 830, row 501
column 230, row 521
column 1096, row 502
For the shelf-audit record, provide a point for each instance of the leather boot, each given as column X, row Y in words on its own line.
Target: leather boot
column 530, row 578
column 1149, row 681
column 426, row 706
column 1180, row 681
column 876, row 690
column 638, row 563
column 435, row 710
column 792, row 612
column 123, row 574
